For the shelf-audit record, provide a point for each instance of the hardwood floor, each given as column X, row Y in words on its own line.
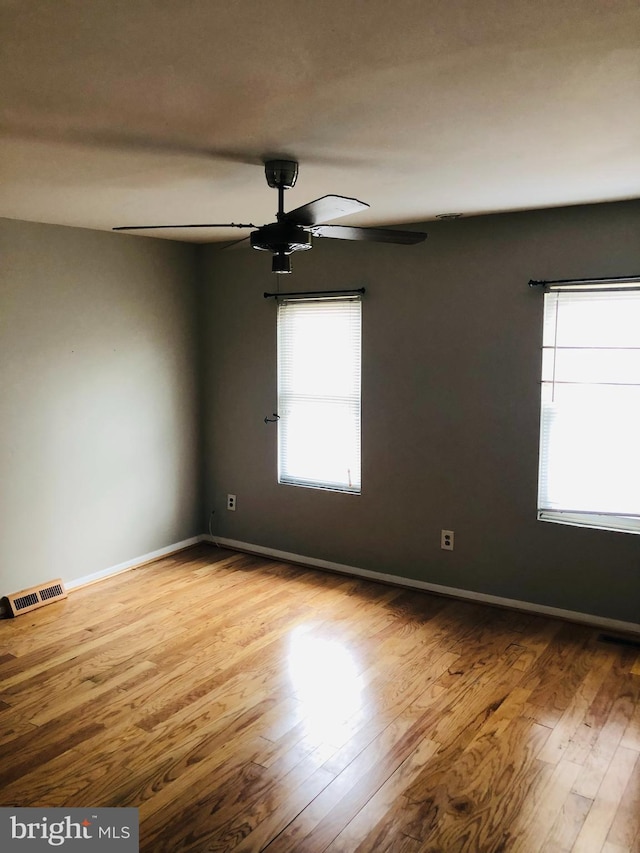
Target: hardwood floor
column 245, row 705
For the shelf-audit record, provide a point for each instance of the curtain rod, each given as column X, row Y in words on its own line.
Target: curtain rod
column 618, row 279
column 315, row 293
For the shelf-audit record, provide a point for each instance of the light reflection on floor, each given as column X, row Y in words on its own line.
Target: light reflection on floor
column 327, row 683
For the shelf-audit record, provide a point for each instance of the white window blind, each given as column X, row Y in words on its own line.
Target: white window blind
column 319, row 343
column 590, row 416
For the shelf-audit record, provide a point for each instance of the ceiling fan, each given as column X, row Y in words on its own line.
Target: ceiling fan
column 293, row 231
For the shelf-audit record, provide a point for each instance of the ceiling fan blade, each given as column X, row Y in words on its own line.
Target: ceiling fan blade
column 323, row 209
column 377, row 235
column 200, row 225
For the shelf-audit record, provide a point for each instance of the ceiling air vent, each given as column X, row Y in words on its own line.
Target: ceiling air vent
column 34, row 597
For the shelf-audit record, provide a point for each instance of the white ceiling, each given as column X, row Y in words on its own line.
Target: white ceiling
column 118, row 112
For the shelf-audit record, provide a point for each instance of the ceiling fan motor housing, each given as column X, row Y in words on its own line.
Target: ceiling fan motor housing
column 281, row 238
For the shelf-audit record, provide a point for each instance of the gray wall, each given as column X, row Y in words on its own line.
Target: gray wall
column 99, row 400
column 103, row 455
column 451, row 361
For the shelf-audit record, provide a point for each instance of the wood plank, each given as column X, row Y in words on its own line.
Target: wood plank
column 401, row 844
column 625, row 828
column 621, row 710
column 460, row 809
column 596, row 827
column 251, row 804
column 322, row 820
column 631, row 737
column 611, row 692
column 613, row 848
column 37, row 747
column 565, row 663
column 374, row 825
column 575, row 712
column 567, row 825
column 542, row 808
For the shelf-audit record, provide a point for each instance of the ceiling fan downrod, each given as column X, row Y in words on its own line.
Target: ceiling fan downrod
column 281, row 175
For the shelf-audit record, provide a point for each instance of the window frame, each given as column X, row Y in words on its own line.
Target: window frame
column 601, row 518
column 347, row 405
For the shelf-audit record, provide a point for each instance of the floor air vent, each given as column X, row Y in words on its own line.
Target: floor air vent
column 620, row 641
column 34, row 597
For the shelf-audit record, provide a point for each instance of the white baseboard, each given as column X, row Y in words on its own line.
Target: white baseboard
column 480, row 597
column 132, row 564
column 340, row 568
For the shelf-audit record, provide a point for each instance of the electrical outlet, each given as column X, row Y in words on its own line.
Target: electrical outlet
column 446, row 540
column 231, row 502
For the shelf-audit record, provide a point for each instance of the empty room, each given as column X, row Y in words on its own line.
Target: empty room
column 319, row 358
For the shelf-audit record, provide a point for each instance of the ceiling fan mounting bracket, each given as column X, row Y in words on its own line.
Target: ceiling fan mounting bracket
column 281, row 174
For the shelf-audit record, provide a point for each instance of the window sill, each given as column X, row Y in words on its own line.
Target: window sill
column 616, row 523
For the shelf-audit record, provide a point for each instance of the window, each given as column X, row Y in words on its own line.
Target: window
column 319, row 343
column 590, row 418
